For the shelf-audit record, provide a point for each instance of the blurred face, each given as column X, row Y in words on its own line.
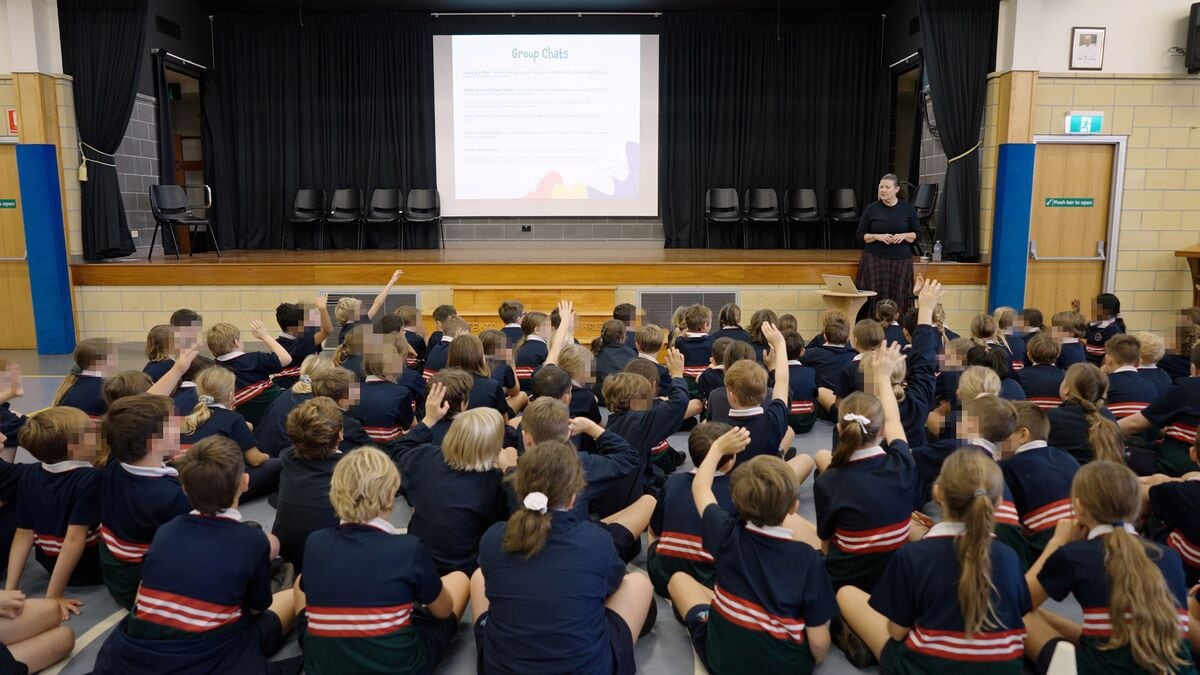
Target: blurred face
column 167, row 446
column 84, row 446
column 186, row 336
column 888, row 190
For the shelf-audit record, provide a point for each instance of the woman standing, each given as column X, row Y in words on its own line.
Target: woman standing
column 887, row 230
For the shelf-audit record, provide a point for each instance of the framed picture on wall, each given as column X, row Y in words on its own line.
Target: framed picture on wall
column 1087, row 48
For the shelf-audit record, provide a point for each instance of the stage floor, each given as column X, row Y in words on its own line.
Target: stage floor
column 501, row 263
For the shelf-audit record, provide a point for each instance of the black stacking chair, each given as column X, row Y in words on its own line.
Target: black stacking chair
column 762, row 207
column 385, row 209
column 802, row 208
column 842, row 214
column 424, row 206
column 925, row 203
column 346, row 210
column 169, row 204
column 721, row 206
column 308, row 208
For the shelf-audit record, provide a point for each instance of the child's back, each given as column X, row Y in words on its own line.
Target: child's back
column 1041, row 384
column 1176, row 504
column 303, row 505
column 1039, row 477
column 1129, row 392
column 680, row 546
column 52, row 497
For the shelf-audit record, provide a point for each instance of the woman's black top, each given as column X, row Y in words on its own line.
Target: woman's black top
column 878, row 218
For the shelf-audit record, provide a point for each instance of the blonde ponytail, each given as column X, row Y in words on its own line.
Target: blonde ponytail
column 213, row 385
column 351, row 346
column 1087, row 386
column 314, row 366
column 853, row 433
column 972, row 485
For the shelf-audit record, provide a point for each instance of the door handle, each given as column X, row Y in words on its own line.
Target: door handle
column 24, row 257
column 1099, row 257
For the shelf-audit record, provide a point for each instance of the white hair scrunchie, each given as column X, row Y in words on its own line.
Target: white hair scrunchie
column 536, row 501
column 863, row 422
column 306, row 379
column 206, row 399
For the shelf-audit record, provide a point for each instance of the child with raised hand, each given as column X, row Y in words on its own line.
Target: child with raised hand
column 770, row 608
column 304, row 329
column 1099, row 558
column 952, row 602
column 393, row 614
column 253, row 390
column 349, row 310
column 746, row 384
column 550, row 594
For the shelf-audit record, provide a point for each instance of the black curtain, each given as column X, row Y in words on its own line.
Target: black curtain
column 768, row 101
column 103, row 43
column 338, row 101
column 960, row 43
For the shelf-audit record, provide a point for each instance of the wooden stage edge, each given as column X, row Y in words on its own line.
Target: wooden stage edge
column 503, row 264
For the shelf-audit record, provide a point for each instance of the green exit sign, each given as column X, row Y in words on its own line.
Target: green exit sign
column 1084, row 123
column 1070, row 202
column 8, row 203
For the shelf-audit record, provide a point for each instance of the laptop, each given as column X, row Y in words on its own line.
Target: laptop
column 840, row 283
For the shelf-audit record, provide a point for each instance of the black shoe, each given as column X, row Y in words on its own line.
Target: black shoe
column 789, row 454
column 253, row 523
column 651, row 617
column 283, row 575
column 856, row 651
column 677, row 457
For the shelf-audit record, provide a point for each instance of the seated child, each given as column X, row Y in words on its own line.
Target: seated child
column 349, row 310
column 1042, row 379
column 650, row 340
column 611, row 352
column 315, row 428
column 985, row 331
column 214, row 568
column 1082, row 425
column 696, row 345
column 1128, row 391
column 802, row 383
column 757, row 339
column 439, row 353
column 887, row 314
column 1153, row 350
column 1177, row 415
column 184, row 397
column 714, row 376
column 499, row 357
column 95, row 359
column 1006, row 330
column 159, row 355
column 729, row 320
column 212, row 417
column 646, row 423
column 997, row 359
column 403, row 616
column 833, row 354
column 123, row 384
column 746, row 384
column 972, row 382
column 187, row 329
column 253, row 390
column 511, row 312
column 867, row 336
column 440, row 314
column 550, row 594
column 1173, row 503
column 384, row 406
column 457, row 384
column 1039, row 476
column 533, row 347
column 1030, row 321
column 627, row 314
column 304, row 329
column 717, row 402
column 339, row 386
column 1108, row 324
column 271, row 433
column 410, row 321
column 914, row 379
column 1176, row 363
column 1069, row 328
column 138, row 493
column 466, row 352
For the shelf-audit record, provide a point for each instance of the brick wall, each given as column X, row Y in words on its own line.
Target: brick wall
column 137, row 167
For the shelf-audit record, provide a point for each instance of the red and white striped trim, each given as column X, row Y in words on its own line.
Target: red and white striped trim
column 1097, row 623
column 802, row 408
column 1093, row 351
column 956, row 646
column 428, row 373
column 694, row 371
column 122, row 550
column 878, row 540
column 660, row 448
column 293, row 371
column 1120, row 410
column 523, row 372
column 52, row 545
column 1046, row 402
column 750, row 616
column 384, row 434
column 181, row 612
column 1187, row 550
column 1046, row 517
column 1181, row 432
column 686, row 546
column 357, row 622
column 247, row 394
column 1018, row 365
column 411, row 361
column 1006, row 514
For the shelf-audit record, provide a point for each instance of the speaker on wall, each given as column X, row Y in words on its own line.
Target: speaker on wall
column 1192, row 59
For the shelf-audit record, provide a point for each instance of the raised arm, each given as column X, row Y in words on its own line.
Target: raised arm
column 879, row 365
column 166, row 384
column 779, row 363
column 382, row 297
column 566, row 316
column 10, row 385
column 259, row 331
column 322, row 302
column 730, row 443
column 929, row 294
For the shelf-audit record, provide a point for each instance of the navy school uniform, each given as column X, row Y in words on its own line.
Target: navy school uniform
column 384, row 409
column 436, row 358
column 354, row 435
column 1098, row 334
column 697, row 350
column 371, row 621
column 134, row 502
column 264, row 478
column 680, row 545
column 828, row 361
column 547, row 612
column 1010, row 390
column 947, row 386
column 434, row 338
column 416, row 386
column 767, row 426
column 531, row 355
column 802, row 402
column 1078, row 569
column 1072, row 352
column 919, row 589
column 271, row 432
column 203, row 580
column 156, row 369
column 1069, row 430
column 302, row 505
column 1157, row 377
column 1175, row 505
column 1039, row 477
column 185, row 398
column 513, row 332
column 252, row 371
column 1016, row 349
column 417, row 349
column 850, row 378
column 732, row 332
column 487, row 393
column 1042, row 384
column 52, row 497
column 1176, row 366
column 647, row 431
column 920, row 384
column 664, row 375
column 631, row 339
column 451, row 508
column 893, row 332
column 711, row 380
column 609, row 470
column 1129, row 392
column 300, row 347
column 864, row 510
column 87, row 394
column 584, row 404
column 10, row 481
column 610, row 360
column 769, row 590
column 759, row 348
column 1177, row 414
column 503, row 374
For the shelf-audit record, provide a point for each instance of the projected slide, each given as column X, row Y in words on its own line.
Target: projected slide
column 547, row 125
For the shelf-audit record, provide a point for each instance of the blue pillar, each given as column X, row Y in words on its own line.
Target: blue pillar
column 45, row 243
column 1010, row 227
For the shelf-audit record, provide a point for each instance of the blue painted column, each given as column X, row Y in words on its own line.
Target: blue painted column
column 45, row 243
column 1010, row 227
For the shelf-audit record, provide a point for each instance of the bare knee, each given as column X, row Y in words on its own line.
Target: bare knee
column 42, row 613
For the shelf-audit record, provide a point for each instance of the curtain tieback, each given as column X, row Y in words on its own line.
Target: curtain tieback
column 973, row 148
column 83, row 160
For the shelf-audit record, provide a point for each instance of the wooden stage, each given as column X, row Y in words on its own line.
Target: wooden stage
column 504, row 263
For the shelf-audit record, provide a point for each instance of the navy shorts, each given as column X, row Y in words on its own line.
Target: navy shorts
column 435, row 633
column 697, row 627
column 628, row 546
column 270, row 632
column 620, row 641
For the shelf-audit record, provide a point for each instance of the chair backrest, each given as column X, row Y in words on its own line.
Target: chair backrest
column 168, row 199
column 721, row 201
column 385, row 202
column 309, row 202
column 347, row 201
column 762, row 201
column 425, row 202
column 802, row 202
column 843, row 199
column 926, row 199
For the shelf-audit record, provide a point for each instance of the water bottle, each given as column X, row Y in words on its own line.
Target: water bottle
column 937, row 251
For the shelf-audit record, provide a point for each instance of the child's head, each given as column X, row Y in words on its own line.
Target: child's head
column 213, row 386
column 495, row 343
column 612, row 333
column 536, row 323
column 909, row 322
column 474, row 440
column 1122, row 350
column 458, row 383
column 794, row 343
column 409, row 315
column 223, row 338
column 737, row 351
column 1187, row 337
column 1032, row 318
column 546, row 419
column 1005, row 318
column 548, row 478
column 188, row 327
column 701, row 438
column 622, row 390
column 730, row 316
column 443, row 312
column 390, row 323
column 313, row 366
column 315, row 428
column 290, row 316
column 384, row 363
column 125, row 383
column 836, row 328
column 988, row 417
column 337, row 384
column 158, row 343
column 140, row 425
column 364, row 485
column 1108, row 306
column 956, row 353
column 1086, row 382
column 983, row 327
column 551, row 381
column 678, row 322
column 1033, row 424
column 626, row 313
column 649, row 339
column 454, row 326
column 764, row 490
column 886, row 311
column 511, row 311
column 577, row 360
column 989, row 357
column 1153, row 348
column 757, row 320
column 555, row 319
column 787, row 322
column 720, row 346
column 347, row 310
column 1086, row 386
column 95, row 354
column 867, row 335
column 1069, row 325
column 57, row 434
column 466, row 352
column 977, row 380
column 860, row 426
column 213, row 474
column 1042, row 349
column 746, row 383
column 353, row 345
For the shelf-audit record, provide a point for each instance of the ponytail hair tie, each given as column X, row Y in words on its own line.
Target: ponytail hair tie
column 980, row 492
column 76, row 370
column 206, row 399
column 983, row 394
column 1118, row 524
column 306, row 379
column 863, row 422
column 536, row 501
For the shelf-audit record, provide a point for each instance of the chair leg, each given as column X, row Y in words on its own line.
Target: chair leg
column 174, row 240
column 153, row 238
column 213, row 238
column 441, row 234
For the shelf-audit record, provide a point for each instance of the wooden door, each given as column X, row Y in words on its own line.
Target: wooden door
column 16, row 302
column 1072, row 184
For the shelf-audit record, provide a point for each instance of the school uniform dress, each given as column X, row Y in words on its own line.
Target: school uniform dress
column 1177, row 414
column 513, row 332
column 767, row 425
column 919, row 589
column 451, row 508
column 1069, row 430
column 894, row 332
column 530, row 356
column 385, row 409
column 680, row 545
column 52, row 497
column 416, row 343
column 1072, row 352
column 864, row 510
column 435, row 360
column 697, row 351
column 1042, row 384
column 1176, row 366
column 302, row 506
column 547, row 613
column 487, row 393
column 769, row 589
column 1098, row 334
column 271, row 432
column 300, row 347
column 203, row 580
column 156, row 369
column 732, row 332
column 87, row 394
column 611, row 360
column 1039, row 477
column 264, row 478
column 185, row 398
column 1128, row 392
column 802, row 402
column 134, row 502
column 1175, row 505
column 1078, row 569
column 372, row 621
column 1157, row 377
column 828, row 361
column 252, row 391
column 647, row 431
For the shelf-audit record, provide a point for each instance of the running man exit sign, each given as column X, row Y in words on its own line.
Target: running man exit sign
column 1085, row 122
